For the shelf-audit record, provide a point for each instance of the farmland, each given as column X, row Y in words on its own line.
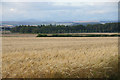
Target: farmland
column 59, row 57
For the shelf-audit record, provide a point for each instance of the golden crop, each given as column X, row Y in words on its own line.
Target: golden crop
column 68, row 57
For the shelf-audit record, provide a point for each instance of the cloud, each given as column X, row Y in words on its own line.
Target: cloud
column 98, row 12
column 59, row 11
column 60, row 0
column 75, row 3
column 0, row 12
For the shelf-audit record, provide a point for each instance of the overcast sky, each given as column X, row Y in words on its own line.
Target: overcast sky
column 59, row 11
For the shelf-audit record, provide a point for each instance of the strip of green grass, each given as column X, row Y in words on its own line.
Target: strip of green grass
column 85, row 35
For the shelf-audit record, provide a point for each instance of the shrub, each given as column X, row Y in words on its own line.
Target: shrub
column 41, row 35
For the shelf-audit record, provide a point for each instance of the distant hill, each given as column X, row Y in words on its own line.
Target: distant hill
column 35, row 22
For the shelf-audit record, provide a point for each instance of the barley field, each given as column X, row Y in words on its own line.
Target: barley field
column 58, row 57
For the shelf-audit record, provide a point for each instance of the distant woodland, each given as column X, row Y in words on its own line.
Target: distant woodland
column 102, row 28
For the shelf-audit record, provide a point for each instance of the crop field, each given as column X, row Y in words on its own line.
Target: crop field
column 8, row 34
column 59, row 57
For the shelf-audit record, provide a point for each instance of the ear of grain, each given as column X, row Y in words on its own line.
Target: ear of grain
column 31, row 57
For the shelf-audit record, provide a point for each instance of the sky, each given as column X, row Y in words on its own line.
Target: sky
column 72, row 10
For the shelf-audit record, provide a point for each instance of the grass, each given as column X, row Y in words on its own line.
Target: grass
column 78, row 35
column 59, row 57
column 34, row 35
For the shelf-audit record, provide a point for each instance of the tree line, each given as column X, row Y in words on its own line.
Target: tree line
column 103, row 28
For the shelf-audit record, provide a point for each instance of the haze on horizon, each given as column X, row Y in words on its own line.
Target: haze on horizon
column 59, row 11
